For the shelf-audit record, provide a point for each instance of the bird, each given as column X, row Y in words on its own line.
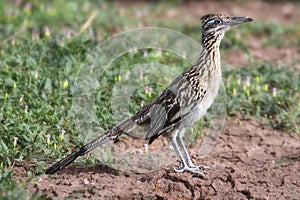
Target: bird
column 180, row 105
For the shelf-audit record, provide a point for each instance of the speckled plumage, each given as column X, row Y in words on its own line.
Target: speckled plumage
column 181, row 104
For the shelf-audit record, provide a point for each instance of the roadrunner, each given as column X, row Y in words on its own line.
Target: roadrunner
column 181, row 104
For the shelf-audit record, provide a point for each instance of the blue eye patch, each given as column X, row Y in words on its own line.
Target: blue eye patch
column 213, row 21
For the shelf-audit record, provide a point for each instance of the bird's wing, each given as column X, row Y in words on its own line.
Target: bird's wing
column 171, row 107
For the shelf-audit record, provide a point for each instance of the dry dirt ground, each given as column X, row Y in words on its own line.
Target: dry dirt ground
column 251, row 160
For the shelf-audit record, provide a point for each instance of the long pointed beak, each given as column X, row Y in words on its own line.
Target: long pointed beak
column 239, row 20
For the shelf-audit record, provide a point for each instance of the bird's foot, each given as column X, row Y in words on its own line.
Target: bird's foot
column 192, row 169
column 201, row 167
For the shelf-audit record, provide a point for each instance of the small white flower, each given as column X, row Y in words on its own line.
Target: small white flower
column 62, row 134
column 145, row 54
column 47, row 31
column 274, row 91
column 36, row 74
column 142, row 103
column 22, row 98
column 141, row 74
column 66, row 84
column 15, row 141
column 146, row 148
column 239, row 79
column 48, row 138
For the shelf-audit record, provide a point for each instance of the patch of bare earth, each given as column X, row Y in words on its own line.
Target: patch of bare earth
column 285, row 12
column 286, row 56
column 251, row 161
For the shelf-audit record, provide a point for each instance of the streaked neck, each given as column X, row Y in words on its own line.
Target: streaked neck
column 211, row 52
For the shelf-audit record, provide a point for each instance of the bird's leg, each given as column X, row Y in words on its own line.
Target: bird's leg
column 184, row 166
column 187, row 156
column 173, row 141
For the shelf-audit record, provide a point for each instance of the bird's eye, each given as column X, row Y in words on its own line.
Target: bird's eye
column 214, row 21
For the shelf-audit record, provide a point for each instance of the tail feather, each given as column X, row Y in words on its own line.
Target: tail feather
column 64, row 162
column 110, row 135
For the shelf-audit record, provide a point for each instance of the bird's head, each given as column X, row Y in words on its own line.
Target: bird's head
column 221, row 23
column 214, row 25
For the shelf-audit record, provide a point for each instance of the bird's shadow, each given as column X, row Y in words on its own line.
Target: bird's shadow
column 291, row 158
column 95, row 169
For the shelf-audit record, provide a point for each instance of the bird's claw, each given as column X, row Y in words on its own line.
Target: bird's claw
column 193, row 170
column 202, row 167
column 179, row 170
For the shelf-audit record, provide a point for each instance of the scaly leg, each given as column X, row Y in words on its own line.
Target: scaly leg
column 173, row 141
column 186, row 154
column 184, row 166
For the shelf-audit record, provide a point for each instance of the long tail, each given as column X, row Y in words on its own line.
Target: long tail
column 109, row 135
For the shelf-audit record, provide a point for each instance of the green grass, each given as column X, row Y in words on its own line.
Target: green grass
column 38, row 69
column 265, row 91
